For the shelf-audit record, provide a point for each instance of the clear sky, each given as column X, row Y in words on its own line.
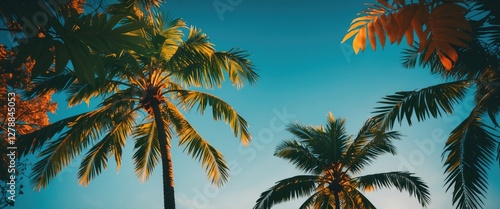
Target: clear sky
column 304, row 73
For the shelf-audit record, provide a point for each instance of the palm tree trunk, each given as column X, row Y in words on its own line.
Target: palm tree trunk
column 337, row 200
column 166, row 159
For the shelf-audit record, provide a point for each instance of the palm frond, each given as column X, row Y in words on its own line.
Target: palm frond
column 361, row 139
column 399, row 180
column 173, row 38
column 424, row 103
column 310, row 201
column 215, row 166
column 111, row 144
column 237, row 65
column 487, row 95
column 498, row 152
column 83, row 131
column 491, row 31
column 220, row 111
column 53, row 83
column 147, row 150
column 303, row 132
column 94, row 162
column 327, row 144
column 300, row 156
column 57, row 156
column 197, row 63
column 474, row 61
column 355, row 199
column 324, row 202
column 32, row 142
column 469, row 152
column 83, row 91
column 192, row 63
column 335, row 132
column 380, row 143
column 287, row 189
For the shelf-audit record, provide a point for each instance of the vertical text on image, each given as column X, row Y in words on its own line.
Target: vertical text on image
column 11, row 147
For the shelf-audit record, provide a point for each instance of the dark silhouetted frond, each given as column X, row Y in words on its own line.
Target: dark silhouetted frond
column 287, row 189
column 424, row 103
column 399, row 180
column 468, row 154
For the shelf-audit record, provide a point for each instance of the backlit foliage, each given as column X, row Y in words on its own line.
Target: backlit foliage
column 437, row 25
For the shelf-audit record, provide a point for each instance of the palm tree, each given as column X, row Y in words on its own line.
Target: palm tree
column 472, row 146
column 155, row 84
column 333, row 160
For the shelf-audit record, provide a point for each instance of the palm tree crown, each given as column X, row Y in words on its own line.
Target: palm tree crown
column 143, row 98
column 333, row 161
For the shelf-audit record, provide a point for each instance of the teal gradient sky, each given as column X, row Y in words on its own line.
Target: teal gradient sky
column 304, row 73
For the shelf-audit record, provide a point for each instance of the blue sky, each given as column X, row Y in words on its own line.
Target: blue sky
column 304, row 73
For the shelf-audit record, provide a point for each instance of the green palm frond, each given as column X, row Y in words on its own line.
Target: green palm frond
column 55, row 158
column 111, row 144
column 173, row 38
column 498, row 152
column 197, row 63
column 362, row 138
column 287, row 189
column 198, row 42
column 125, row 100
column 300, row 156
column 237, row 65
column 399, row 180
column 193, row 63
column 149, row 4
column 324, row 202
column 32, row 142
column 424, row 103
column 127, row 8
column 58, row 155
column 220, row 111
column 52, row 83
column 488, row 94
column 147, row 150
column 82, row 132
column 367, row 153
column 94, row 162
column 79, row 92
column 328, row 144
column 491, row 31
column 474, row 60
column 336, row 135
column 302, row 132
column 310, row 201
column 215, row 166
column 355, row 199
column 468, row 153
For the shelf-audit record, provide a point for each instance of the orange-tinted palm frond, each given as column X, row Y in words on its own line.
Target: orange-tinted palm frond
column 441, row 27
